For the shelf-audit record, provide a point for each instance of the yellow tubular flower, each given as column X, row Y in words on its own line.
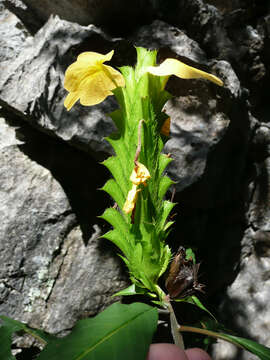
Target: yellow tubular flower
column 89, row 80
column 139, row 174
column 177, row 68
column 131, row 199
column 165, row 129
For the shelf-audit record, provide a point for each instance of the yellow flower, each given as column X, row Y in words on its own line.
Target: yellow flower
column 139, row 174
column 89, row 80
column 177, row 68
column 131, row 199
column 165, row 129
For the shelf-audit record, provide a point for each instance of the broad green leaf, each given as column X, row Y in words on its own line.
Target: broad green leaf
column 8, row 327
column 261, row 351
column 119, row 332
column 5, row 339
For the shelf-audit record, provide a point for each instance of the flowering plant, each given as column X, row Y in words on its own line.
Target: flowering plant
column 140, row 223
column 140, row 216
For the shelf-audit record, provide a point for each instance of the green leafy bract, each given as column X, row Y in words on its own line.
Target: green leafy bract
column 141, row 241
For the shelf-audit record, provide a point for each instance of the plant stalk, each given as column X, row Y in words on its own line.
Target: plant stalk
column 183, row 328
column 176, row 334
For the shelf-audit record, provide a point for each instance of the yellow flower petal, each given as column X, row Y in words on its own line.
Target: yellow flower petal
column 165, row 129
column 93, row 58
column 139, row 174
column 93, row 90
column 71, row 99
column 178, row 68
column 75, row 74
column 114, row 75
column 89, row 80
column 131, row 199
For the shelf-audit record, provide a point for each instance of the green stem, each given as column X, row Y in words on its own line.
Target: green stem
column 177, row 336
column 183, row 328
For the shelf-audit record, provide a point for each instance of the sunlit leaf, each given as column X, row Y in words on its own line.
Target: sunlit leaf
column 119, row 332
column 131, row 290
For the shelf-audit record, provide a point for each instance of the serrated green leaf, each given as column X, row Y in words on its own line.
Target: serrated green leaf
column 113, row 217
column 119, row 173
column 113, row 189
column 168, row 225
column 115, row 236
column 166, row 209
column 165, row 183
column 163, row 163
column 140, row 235
column 131, row 290
column 119, row 332
column 166, row 259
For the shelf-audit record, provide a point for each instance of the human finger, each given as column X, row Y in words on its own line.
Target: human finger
column 166, row 352
column 197, row 354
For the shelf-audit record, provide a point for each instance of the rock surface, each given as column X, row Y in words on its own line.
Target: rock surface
column 13, row 35
column 245, row 304
column 49, row 275
column 114, row 14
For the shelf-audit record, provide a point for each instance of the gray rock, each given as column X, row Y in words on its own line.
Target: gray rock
column 161, row 35
column 259, row 211
column 36, row 217
column 245, row 303
column 230, row 30
column 49, row 274
column 8, row 134
column 114, row 14
column 245, row 306
column 32, row 86
column 193, row 136
column 12, row 36
column 89, row 275
column 199, row 122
